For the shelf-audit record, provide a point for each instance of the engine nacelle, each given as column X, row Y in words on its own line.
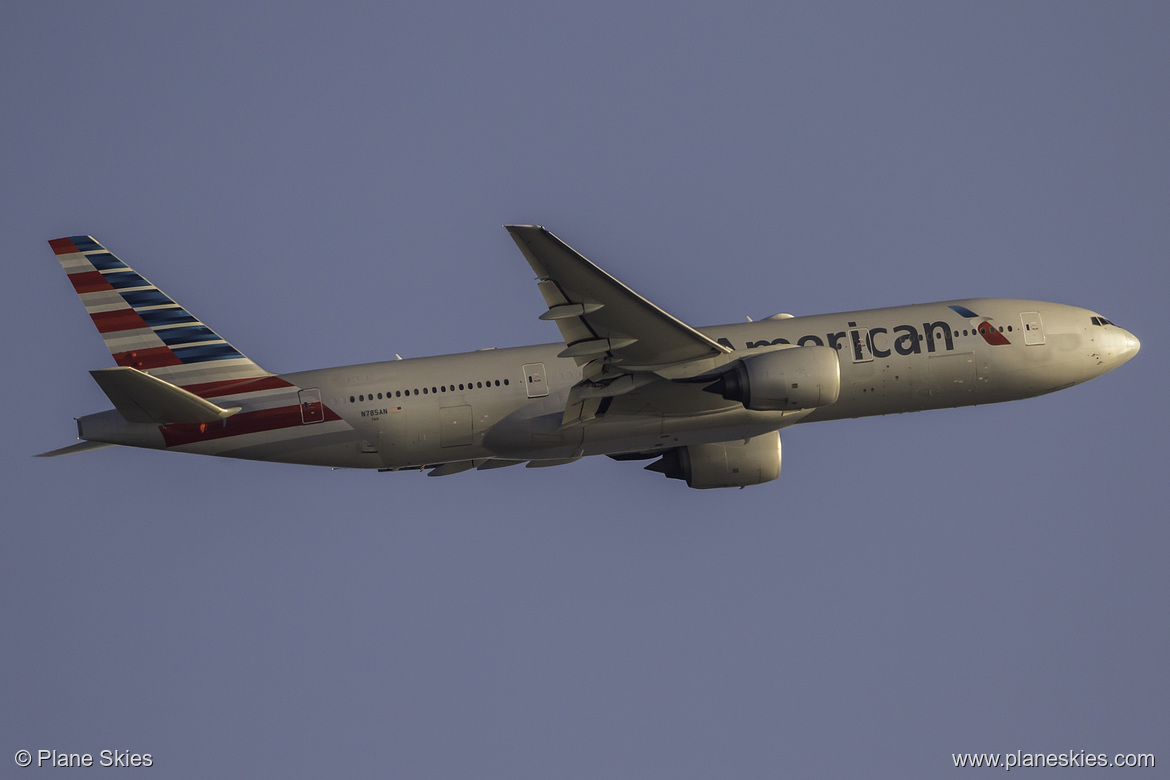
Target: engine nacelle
column 725, row 464
column 786, row 379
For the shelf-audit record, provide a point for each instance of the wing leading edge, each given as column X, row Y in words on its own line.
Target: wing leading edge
column 599, row 317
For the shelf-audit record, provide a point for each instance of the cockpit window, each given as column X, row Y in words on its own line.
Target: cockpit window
column 1101, row 321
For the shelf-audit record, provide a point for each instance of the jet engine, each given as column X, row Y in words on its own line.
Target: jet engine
column 786, row 379
column 724, row 464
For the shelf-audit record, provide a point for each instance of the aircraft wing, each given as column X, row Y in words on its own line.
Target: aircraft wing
column 599, row 317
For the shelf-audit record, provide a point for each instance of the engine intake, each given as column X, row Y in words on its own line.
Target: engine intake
column 724, row 464
column 786, row 379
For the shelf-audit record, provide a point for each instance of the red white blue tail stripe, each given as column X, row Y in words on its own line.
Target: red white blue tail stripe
column 142, row 326
column 147, row 330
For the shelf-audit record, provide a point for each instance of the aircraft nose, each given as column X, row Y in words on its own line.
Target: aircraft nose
column 1132, row 345
column 1112, row 346
column 1123, row 345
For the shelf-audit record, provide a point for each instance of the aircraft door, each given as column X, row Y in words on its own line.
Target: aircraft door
column 312, row 410
column 535, row 380
column 394, row 437
column 859, row 345
column 456, row 430
column 952, row 375
column 1033, row 327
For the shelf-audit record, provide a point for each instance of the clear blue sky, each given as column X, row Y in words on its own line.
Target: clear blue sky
column 324, row 183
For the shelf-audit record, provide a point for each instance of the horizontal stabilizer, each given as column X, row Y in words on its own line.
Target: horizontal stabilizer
column 81, row 446
column 143, row 398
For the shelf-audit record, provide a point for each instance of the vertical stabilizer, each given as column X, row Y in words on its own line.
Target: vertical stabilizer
column 144, row 328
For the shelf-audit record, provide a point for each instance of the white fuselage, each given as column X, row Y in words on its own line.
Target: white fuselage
column 506, row 405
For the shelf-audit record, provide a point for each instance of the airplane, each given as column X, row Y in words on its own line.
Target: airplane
column 627, row 379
